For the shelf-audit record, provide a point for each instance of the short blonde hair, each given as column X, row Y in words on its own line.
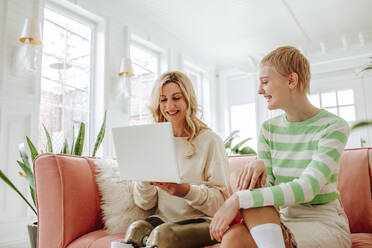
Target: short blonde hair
column 193, row 125
column 288, row 59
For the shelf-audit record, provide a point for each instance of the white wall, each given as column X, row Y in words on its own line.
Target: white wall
column 19, row 94
column 19, row 101
column 335, row 69
column 345, row 73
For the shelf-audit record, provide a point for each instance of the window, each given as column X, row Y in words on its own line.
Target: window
column 196, row 80
column 199, row 80
column 146, row 67
column 339, row 102
column 65, row 78
column 243, row 118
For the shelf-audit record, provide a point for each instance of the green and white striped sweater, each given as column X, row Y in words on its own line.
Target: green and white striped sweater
column 303, row 157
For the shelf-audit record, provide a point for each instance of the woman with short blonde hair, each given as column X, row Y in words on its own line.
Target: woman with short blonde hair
column 298, row 154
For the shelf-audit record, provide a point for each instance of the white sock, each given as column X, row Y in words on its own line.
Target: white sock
column 268, row 236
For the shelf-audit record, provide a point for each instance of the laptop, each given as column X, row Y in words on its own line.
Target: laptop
column 147, row 153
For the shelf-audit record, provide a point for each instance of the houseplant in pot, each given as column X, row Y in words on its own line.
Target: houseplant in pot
column 237, row 148
column 26, row 171
column 360, row 124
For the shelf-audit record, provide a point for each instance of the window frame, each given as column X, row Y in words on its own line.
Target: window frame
column 152, row 49
column 81, row 17
column 337, row 106
column 205, row 88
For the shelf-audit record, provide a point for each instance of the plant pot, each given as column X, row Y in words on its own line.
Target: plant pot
column 32, row 234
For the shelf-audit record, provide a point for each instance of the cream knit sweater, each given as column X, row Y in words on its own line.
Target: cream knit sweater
column 209, row 164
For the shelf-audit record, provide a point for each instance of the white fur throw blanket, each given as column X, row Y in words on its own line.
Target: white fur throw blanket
column 117, row 204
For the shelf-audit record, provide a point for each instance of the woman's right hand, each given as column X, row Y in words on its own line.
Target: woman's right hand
column 250, row 174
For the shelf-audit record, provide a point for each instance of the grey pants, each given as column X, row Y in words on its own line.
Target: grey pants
column 154, row 232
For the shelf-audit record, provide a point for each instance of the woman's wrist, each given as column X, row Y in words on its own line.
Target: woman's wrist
column 234, row 201
column 185, row 189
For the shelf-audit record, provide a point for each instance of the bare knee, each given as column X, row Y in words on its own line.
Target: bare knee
column 258, row 216
column 238, row 236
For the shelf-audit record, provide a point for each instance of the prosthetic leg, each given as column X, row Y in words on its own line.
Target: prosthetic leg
column 192, row 233
column 139, row 231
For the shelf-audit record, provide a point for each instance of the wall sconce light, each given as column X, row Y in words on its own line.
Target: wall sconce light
column 125, row 72
column 124, row 92
column 126, row 67
column 28, row 55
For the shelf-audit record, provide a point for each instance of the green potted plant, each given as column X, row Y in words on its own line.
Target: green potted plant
column 238, row 148
column 27, row 172
column 360, row 124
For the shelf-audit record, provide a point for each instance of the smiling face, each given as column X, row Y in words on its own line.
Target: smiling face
column 274, row 87
column 173, row 103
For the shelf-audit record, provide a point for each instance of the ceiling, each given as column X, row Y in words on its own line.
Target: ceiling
column 232, row 30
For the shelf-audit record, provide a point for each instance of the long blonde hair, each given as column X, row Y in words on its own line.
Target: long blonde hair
column 193, row 125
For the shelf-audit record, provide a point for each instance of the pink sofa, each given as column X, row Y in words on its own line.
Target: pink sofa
column 68, row 199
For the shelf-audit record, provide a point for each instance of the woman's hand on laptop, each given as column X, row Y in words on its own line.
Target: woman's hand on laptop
column 175, row 189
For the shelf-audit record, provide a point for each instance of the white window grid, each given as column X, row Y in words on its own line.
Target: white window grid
column 62, row 128
column 337, row 106
column 198, row 77
column 146, row 72
column 196, row 80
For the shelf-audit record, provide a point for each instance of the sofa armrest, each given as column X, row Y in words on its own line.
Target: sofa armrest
column 67, row 199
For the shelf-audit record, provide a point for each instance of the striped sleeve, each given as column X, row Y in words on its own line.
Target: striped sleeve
column 322, row 168
column 264, row 154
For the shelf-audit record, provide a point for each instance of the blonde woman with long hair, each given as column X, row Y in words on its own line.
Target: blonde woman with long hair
column 183, row 211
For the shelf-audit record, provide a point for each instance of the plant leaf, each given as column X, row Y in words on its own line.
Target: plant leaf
column 73, row 140
column 368, row 67
column 33, row 196
column 49, row 140
column 230, row 139
column 79, row 144
column 247, row 150
column 28, row 174
column 7, row 181
column 65, row 147
column 24, row 156
column 100, row 136
column 33, row 150
column 361, row 124
column 237, row 146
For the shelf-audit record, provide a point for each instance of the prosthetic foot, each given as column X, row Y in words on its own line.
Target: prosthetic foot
column 138, row 232
column 184, row 234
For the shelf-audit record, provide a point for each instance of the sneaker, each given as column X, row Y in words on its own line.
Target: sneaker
column 120, row 244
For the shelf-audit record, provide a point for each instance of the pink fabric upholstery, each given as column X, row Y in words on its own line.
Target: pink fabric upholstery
column 96, row 239
column 67, row 198
column 361, row 240
column 69, row 201
column 355, row 188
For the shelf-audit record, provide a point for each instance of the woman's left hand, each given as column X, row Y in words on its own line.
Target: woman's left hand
column 175, row 189
column 223, row 217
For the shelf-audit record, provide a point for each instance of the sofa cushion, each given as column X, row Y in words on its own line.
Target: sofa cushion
column 361, row 240
column 354, row 184
column 96, row 239
column 67, row 198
